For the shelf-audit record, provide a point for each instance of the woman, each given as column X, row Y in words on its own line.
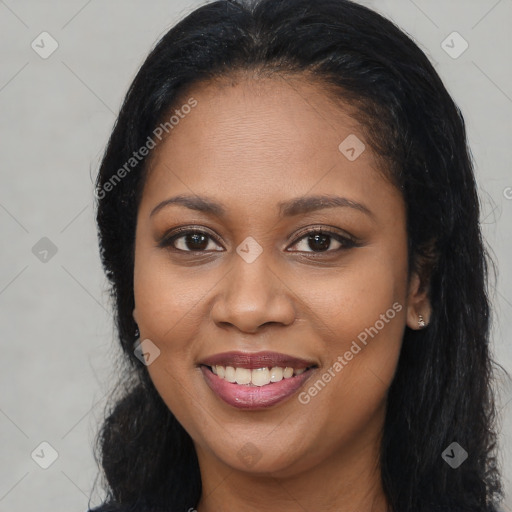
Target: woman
column 289, row 220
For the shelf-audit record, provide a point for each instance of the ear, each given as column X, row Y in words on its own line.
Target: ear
column 134, row 314
column 418, row 303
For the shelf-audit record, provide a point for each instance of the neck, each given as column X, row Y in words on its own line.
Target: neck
column 343, row 482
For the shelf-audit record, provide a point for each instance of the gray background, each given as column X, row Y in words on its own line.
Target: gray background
column 56, row 116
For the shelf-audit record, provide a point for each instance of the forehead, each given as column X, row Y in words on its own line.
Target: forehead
column 244, row 116
column 276, row 136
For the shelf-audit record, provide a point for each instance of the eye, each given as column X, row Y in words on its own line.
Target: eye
column 315, row 240
column 189, row 240
column 320, row 240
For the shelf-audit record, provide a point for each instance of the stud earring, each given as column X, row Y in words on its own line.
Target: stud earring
column 421, row 322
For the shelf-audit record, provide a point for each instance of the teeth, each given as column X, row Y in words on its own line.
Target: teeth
column 276, row 374
column 257, row 376
column 260, row 376
column 230, row 373
column 242, row 376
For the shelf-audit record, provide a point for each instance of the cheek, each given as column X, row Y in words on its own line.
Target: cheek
column 361, row 354
column 362, row 316
column 169, row 303
column 351, row 299
column 168, row 298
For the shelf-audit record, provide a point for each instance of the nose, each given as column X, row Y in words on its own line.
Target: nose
column 251, row 296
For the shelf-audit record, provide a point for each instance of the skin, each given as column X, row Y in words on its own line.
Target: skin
column 250, row 144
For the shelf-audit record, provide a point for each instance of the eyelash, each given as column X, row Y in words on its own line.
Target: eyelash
column 345, row 241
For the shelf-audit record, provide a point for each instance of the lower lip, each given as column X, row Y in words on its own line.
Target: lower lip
column 254, row 397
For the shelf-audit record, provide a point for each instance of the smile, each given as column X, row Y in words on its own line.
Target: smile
column 255, row 381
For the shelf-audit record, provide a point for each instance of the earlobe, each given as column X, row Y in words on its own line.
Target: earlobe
column 418, row 305
column 135, row 314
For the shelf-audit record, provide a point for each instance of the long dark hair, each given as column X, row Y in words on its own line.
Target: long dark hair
column 442, row 390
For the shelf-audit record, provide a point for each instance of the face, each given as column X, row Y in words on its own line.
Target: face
column 284, row 270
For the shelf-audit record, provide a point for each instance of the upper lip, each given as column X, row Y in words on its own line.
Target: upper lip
column 256, row 360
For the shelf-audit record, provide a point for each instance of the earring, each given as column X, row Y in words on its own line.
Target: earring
column 421, row 322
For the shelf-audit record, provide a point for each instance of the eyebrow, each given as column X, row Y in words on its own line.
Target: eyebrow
column 297, row 206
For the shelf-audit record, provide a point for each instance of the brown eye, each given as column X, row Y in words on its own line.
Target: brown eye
column 321, row 240
column 190, row 241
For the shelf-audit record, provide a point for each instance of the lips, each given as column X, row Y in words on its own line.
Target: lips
column 222, row 371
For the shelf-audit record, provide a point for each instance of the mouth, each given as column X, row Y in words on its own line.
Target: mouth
column 255, row 381
column 256, row 377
